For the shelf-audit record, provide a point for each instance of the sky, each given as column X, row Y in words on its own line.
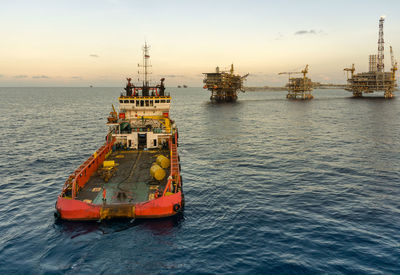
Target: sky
column 99, row 43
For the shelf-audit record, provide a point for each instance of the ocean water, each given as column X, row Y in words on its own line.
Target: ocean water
column 271, row 186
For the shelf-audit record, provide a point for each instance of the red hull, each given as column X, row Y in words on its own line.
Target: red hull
column 169, row 204
column 70, row 209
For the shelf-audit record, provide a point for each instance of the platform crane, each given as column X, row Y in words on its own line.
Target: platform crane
column 351, row 70
column 304, row 72
column 289, row 73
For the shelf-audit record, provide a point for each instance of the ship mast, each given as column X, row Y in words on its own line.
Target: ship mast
column 146, row 64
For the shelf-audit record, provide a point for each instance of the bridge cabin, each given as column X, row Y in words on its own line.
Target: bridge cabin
column 143, row 120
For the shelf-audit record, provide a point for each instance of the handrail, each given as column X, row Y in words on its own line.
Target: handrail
column 73, row 178
column 167, row 186
column 173, row 164
column 166, row 96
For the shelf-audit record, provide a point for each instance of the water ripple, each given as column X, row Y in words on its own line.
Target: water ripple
column 271, row 186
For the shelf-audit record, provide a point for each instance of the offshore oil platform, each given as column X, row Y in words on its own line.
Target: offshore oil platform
column 376, row 79
column 223, row 85
column 299, row 87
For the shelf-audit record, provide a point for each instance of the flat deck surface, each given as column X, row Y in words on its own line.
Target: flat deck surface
column 130, row 183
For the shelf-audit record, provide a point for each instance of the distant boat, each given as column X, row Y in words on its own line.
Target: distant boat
column 184, row 86
column 91, row 86
column 179, row 86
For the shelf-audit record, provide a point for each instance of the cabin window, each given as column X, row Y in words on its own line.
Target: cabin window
column 137, row 103
column 126, row 101
column 147, row 103
column 151, row 102
column 156, row 101
column 168, row 100
column 121, row 101
column 154, row 142
column 132, row 101
column 162, row 101
column 142, row 103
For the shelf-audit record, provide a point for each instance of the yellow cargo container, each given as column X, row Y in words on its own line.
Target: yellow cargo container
column 108, row 163
column 157, row 172
column 163, row 161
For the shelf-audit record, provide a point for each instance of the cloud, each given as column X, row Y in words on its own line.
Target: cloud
column 40, row 76
column 325, row 77
column 20, row 76
column 174, row 75
column 94, row 55
column 260, row 74
column 301, row 32
column 279, row 36
column 316, row 32
column 77, row 77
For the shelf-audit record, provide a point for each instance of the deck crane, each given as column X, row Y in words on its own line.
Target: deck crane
column 113, row 117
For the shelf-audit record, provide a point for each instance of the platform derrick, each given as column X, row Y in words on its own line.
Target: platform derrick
column 299, row 87
column 224, row 86
column 376, row 79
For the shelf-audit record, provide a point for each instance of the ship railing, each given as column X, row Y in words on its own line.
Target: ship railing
column 174, row 181
column 166, row 94
column 81, row 176
column 155, row 130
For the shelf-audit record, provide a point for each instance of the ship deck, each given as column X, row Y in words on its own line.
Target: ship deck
column 131, row 182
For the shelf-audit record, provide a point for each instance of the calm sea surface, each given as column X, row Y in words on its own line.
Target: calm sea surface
column 271, row 186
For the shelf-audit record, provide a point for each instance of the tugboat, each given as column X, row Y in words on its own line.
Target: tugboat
column 223, row 85
column 136, row 173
